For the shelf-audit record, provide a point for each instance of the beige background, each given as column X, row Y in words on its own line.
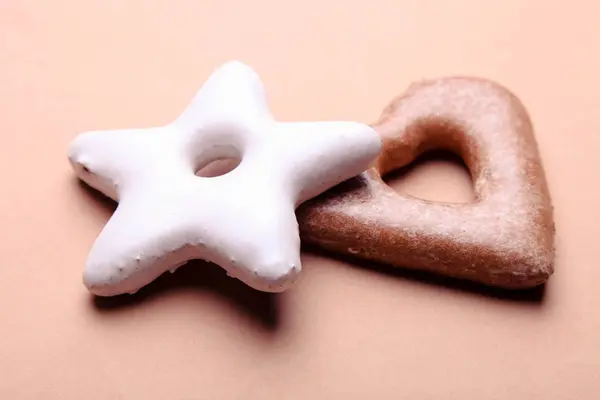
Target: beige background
column 345, row 331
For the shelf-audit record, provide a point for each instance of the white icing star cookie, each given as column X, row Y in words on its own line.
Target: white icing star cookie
column 243, row 220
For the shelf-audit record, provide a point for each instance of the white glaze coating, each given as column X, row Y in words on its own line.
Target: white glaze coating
column 243, row 220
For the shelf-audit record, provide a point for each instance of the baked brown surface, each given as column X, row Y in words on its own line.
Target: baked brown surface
column 504, row 238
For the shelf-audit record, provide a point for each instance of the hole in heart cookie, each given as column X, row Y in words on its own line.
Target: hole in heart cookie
column 436, row 176
column 219, row 167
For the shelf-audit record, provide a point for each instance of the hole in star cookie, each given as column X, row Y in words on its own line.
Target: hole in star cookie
column 218, row 157
column 219, row 167
column 435, row 176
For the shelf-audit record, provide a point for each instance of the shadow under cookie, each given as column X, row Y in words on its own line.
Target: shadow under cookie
column 199, row 275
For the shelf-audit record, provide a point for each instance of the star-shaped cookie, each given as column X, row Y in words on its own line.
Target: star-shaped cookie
column 243, row 220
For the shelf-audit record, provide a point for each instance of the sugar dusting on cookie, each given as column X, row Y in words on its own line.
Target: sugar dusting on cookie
column 505, row 238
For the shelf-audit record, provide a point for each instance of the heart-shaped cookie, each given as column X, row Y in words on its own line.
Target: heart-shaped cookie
column 504, row 238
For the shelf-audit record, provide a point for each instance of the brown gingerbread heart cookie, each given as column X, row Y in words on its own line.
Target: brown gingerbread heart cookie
column 505, row 238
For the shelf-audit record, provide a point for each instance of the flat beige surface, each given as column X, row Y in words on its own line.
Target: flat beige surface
column 345, row 331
